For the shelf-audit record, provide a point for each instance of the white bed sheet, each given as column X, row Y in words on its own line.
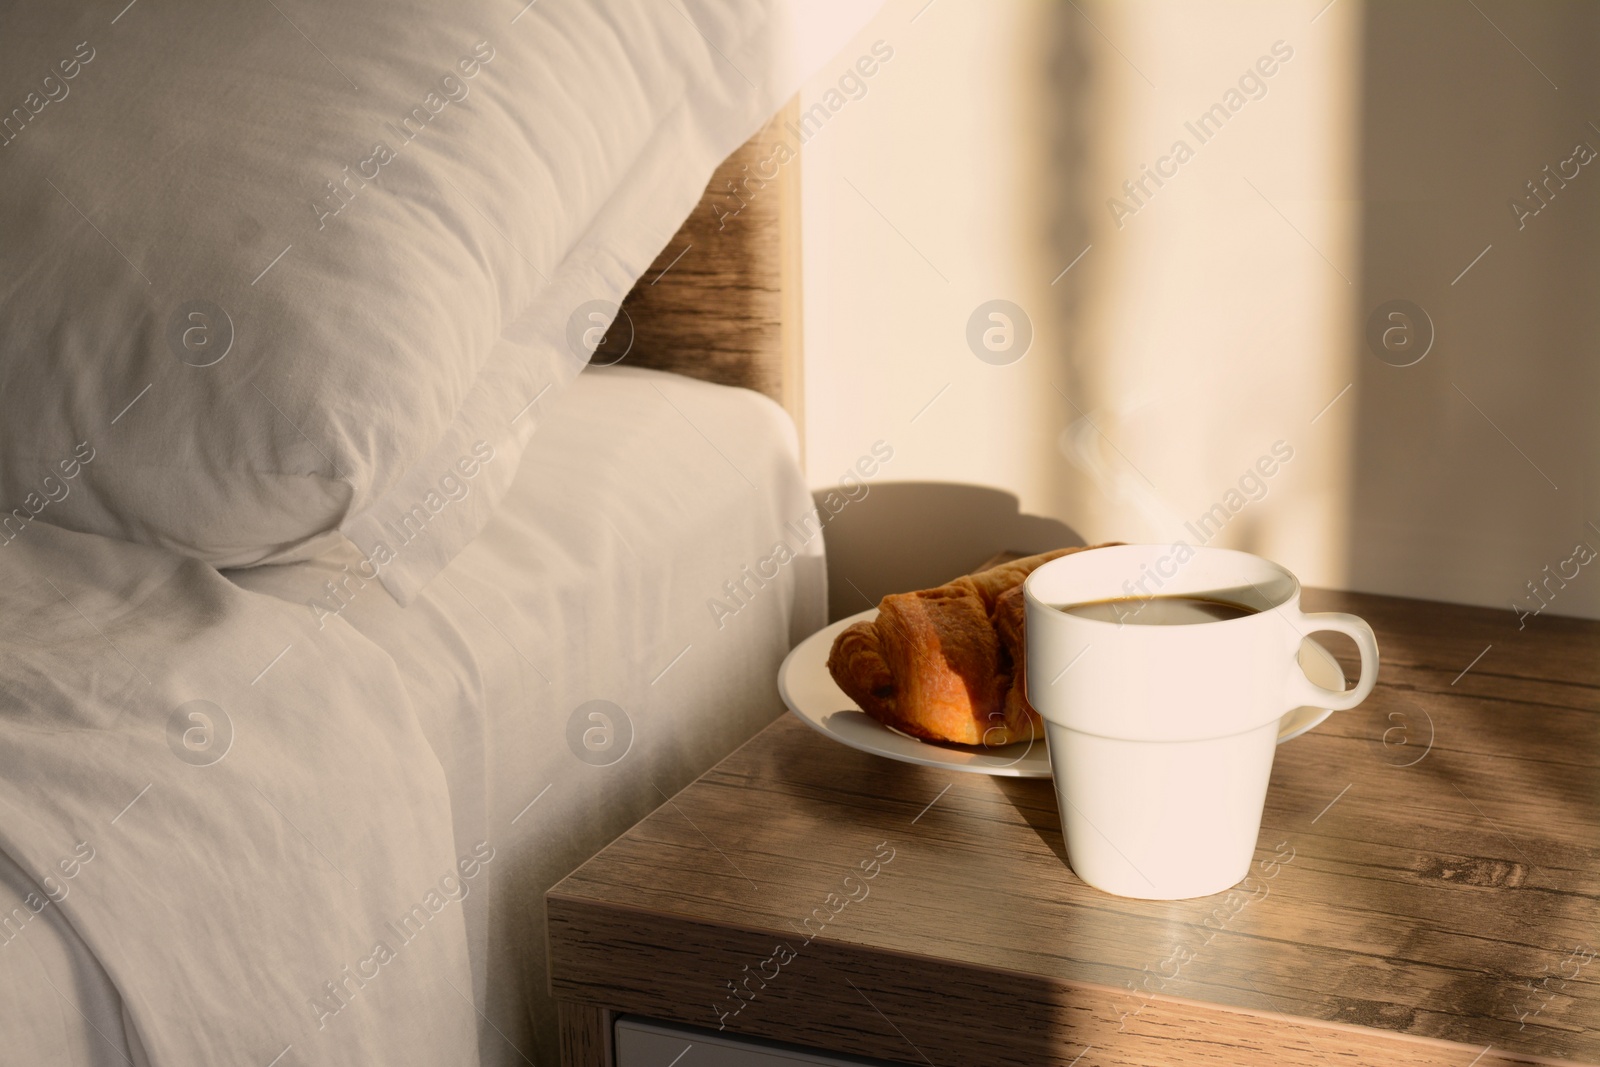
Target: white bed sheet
column 641, row 497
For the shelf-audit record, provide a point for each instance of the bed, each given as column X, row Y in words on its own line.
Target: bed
column 546, row 620
column 305, row 811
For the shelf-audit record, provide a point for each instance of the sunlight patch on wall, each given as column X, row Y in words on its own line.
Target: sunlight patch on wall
column 1215, row 342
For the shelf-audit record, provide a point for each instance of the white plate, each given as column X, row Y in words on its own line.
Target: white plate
column 812, row 694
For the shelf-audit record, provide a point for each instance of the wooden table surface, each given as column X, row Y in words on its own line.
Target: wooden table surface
column 1427, row 889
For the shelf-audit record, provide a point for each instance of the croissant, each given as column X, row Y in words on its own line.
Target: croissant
column 946, row 664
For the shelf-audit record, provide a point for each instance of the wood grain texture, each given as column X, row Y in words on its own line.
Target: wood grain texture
column 1427, row 864
column 585, row 1035
column 721, row 301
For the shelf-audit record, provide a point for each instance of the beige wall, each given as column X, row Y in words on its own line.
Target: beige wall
column 1223, row 314
column 1479, row 465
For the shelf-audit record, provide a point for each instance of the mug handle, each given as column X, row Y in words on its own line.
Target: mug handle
column 1303, row 691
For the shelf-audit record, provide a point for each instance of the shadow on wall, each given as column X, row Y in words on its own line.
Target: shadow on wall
column 1475, row 434
column 913, row 535
column 1063, row 190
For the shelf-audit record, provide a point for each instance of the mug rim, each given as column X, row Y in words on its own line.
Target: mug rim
column 1030, row 596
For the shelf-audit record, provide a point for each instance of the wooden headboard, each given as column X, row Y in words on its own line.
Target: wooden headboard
column 722, row 301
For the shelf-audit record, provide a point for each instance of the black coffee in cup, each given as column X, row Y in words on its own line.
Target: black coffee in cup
column 1160, row 610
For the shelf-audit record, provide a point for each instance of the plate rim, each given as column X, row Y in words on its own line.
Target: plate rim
column 1014, row 769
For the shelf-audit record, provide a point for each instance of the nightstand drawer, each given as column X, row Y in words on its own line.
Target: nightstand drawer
column 643, row 1043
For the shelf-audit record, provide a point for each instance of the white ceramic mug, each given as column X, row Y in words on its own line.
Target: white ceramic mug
column 1162, row 737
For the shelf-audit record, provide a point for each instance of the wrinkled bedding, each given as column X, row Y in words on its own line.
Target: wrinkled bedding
column 275, row 814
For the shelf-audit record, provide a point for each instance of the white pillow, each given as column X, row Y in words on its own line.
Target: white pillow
column 274, row 271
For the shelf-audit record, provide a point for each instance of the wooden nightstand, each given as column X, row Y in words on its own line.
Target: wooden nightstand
column 1427, row 891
